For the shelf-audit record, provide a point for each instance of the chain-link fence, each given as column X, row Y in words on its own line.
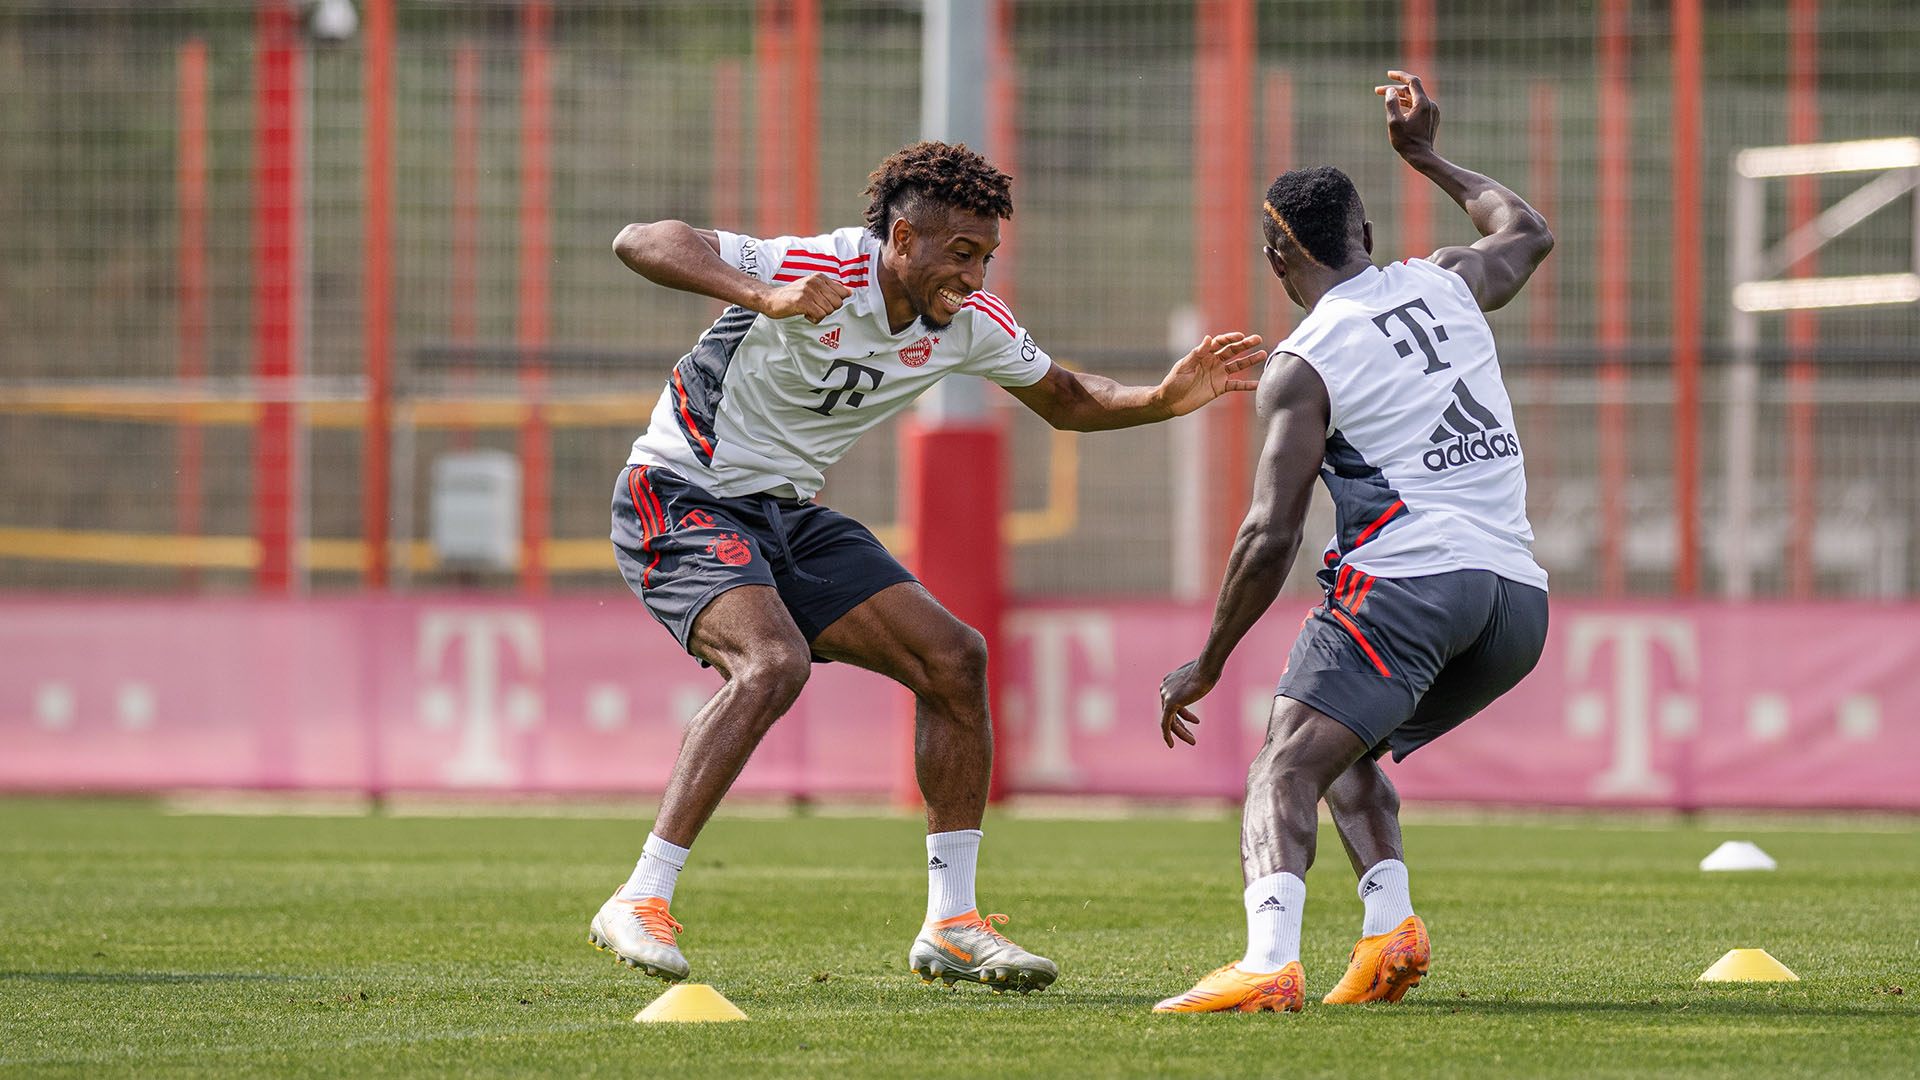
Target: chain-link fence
column 146, row 281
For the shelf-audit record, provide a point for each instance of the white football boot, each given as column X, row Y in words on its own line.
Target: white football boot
column 640, row 934
column 968, row 947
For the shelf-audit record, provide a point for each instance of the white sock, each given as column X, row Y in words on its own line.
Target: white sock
column 656, row 872
column 1273, row 922
column 950, row 860
column 1383, row 888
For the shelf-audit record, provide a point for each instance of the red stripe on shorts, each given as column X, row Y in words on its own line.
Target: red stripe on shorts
column 640, row 504
column 1362, row 639
column 1361, row 597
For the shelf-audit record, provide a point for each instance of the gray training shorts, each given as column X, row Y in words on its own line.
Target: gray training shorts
column 1401, row 661
column 679, row 546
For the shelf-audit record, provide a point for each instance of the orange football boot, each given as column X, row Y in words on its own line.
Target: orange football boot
column 1233, row 990
column 1385, row 966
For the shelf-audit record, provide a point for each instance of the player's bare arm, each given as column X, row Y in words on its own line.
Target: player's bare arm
column 679, row 256
column 1514, row 238
column 1081, row 401
column 1294, row 407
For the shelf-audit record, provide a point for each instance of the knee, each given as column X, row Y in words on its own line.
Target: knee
column 1283, row 766
column 1364, row 787
column 1384, row 796
column 774, row 677
column 956, row 672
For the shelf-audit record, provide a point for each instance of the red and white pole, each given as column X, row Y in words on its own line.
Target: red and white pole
column 952, row 467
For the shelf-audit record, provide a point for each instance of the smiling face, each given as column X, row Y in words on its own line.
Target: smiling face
column 932, row 261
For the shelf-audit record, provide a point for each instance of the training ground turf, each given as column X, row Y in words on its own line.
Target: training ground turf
column 141, row 942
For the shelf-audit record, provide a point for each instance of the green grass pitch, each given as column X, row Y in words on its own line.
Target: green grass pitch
column 153, row 944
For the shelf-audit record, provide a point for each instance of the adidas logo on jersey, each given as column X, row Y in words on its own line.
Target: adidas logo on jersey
column 1468, row 432
column 831, row 339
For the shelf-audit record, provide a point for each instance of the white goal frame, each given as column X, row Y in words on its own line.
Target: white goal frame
column 1757, row 286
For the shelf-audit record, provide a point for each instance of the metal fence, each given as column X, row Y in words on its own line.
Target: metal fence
column 185, row 343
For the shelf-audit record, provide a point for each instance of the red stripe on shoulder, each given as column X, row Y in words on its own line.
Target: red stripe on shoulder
column 997, row 305
column 1005, row 323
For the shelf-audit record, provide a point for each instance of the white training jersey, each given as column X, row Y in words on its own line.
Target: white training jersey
column 765, row 405
column 1423, row 462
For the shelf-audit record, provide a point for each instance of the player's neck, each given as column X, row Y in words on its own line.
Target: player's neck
column 1318, row 282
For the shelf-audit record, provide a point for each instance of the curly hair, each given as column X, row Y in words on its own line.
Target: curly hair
column 939, row 174
column 1318, row 209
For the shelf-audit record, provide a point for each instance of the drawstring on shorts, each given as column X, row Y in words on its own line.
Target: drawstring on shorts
column 784, row 558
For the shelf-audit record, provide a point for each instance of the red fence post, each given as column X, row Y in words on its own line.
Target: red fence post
column 1276, row 117
column 724, row 187
column 191, row 193
column 786, row 42
column 1224, row 199
column 276, row 284
column 1685, row 291
column 1543, row 288
column 1003, row 139
column 536, row 18
column 1616, row 171
column 803, row 113
column 1416, row 43
column 378, row 314
column 1803, row 326
column 462, row 276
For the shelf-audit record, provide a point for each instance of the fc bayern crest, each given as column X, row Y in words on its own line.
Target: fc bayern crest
column 730, row 549
column 919, row 352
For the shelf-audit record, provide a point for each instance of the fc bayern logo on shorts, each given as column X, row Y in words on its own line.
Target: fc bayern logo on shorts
column 730, row 549
column 919, row 352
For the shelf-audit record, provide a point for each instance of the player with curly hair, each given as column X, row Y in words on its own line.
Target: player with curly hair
column 715, row 529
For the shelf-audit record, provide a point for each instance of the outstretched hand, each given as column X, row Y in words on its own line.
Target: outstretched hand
column 1181, row 688
column 1208, row 371
column 1413, row 118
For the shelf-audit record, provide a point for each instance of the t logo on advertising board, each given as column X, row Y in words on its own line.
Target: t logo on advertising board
column 462, row 668
column 1635, row 640
column 1056, row 705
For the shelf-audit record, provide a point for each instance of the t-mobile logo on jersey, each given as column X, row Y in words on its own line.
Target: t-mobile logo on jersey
column 1418, row 333
column 850, row 388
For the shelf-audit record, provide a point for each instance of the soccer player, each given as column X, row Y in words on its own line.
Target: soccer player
column 714, row 527
column 1390, row 391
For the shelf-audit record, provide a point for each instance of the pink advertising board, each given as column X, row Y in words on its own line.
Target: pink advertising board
column 1645, row 704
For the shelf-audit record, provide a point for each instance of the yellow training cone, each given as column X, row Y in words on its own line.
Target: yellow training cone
column 688, row 1003
column 1748, row 965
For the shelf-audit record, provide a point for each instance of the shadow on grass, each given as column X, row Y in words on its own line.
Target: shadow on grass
column 133, row 978
column 1771, row 1008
